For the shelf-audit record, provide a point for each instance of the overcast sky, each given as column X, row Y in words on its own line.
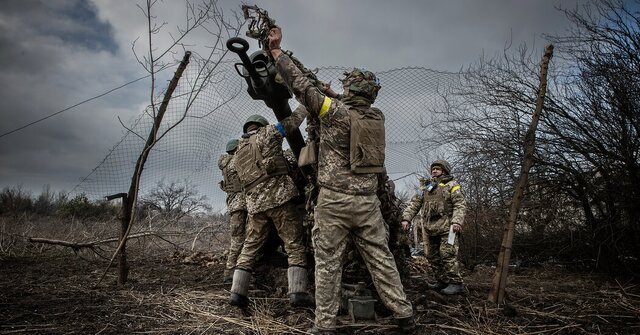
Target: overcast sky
column 57, row 53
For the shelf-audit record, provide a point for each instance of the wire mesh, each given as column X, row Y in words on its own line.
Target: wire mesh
column 190, row 151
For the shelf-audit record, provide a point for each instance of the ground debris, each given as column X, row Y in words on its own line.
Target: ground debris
column 53, row 293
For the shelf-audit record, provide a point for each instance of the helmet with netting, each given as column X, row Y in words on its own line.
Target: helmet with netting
column 446, row 167
column 232, row 145
column 362, row 83
column 256, row 119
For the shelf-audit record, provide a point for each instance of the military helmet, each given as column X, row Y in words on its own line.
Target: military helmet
column 255, row 119
column 362, row 82
column 446, row 167
column 232, row 145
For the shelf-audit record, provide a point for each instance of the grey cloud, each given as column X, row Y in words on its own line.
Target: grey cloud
column 53, row 54
column 61, row 52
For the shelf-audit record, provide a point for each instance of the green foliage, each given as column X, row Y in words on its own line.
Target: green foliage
column 14, row 201
column 80, row 207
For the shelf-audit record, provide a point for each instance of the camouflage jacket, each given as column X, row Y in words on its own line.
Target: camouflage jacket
column 442, row 207
column 235, row 200
column 334, row 169
column 276, row 190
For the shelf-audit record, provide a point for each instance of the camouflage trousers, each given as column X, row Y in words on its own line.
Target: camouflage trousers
column 339, row 217
column 443, row 259
column 237, row 227
column 289, row 228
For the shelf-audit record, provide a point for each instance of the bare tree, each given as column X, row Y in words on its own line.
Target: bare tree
column 204, row 16
column 593, row 129
column 581, row 202
column 175, row 200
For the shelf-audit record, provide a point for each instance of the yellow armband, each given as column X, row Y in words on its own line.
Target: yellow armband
column 325, row 106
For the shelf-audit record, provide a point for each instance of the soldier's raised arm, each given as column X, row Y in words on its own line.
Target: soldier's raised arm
column 292, row 122
column 315, row 101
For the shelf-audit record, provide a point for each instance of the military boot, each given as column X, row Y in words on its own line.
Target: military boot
column 298, row 295
column 453, row 288
column 239, row 288
column 407, row 325
column 436, row 286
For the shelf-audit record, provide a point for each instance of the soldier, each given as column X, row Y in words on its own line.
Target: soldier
column 443, row 209
column 235, row 206
column 351, row 154
column 269, row 190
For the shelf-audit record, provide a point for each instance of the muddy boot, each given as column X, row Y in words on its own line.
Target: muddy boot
column 453, row 288
column 407, row 325
column 239, row 288
column 298, row 295
column 437, row 286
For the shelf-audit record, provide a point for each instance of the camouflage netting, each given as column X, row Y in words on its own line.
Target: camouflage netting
column 190, row 151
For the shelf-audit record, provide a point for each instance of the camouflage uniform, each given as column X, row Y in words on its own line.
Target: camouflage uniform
column 441, row 208
column 347, row 207
column 272, row 199
column 236, row 206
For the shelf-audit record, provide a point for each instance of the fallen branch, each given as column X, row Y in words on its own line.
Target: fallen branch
column 80, row 245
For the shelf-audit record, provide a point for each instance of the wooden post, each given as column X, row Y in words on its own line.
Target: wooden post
column 496, row 294
column 123, row 267
column 130, row 200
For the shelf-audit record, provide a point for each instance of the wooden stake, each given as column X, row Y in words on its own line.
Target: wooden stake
column 497, row 292
column 132, row 195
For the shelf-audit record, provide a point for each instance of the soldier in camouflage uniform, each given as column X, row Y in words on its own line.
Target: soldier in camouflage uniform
column 443, row 208
column 236, row 207
column 347, row 205
column 269, row 190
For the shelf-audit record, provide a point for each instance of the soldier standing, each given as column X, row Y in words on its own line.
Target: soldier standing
column 351, row 154
column 236, row 207
column 269, row 190
column 443, row 210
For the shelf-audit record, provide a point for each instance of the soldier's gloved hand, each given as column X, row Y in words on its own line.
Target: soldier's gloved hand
column 326, row 89
column 405, row 225
column 457, row 228
column 274, row 38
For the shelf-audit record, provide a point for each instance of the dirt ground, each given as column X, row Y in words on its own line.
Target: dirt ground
column 53, row 291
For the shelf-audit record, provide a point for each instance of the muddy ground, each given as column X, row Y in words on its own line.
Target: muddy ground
column 53, row 291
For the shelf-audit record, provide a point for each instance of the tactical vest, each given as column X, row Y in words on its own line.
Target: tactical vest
column 231, row 180
column 367, row 140
column 252, row 168
column 435, row 203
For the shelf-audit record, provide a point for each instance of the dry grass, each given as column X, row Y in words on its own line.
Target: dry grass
column 48, row 289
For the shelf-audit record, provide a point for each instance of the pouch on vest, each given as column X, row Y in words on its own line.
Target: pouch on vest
column 247, row 160
column 367, row 140
column 275, row 166
column 308, row 154
column 436, row 200
column 231, row 181
column 253, row 168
